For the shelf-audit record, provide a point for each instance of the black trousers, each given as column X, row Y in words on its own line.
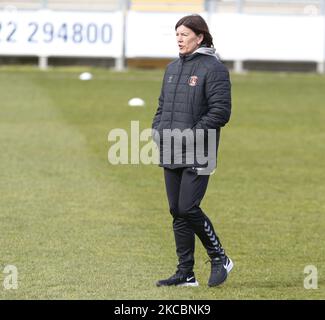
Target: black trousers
column 185, row 190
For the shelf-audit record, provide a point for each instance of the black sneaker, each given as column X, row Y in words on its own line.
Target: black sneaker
column 179, row 279
column 220, row 267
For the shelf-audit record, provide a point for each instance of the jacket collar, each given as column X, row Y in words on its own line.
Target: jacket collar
column 188, row 57
column 201, row 50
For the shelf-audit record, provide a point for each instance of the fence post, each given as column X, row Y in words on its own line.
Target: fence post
column 239, row 64
column 210, row 7
column 44, row 4
column 43, row 62
column 120, row 64
column 321, row 64
column 240, row 4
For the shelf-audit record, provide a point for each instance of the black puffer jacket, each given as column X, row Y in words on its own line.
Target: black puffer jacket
column 196, row 94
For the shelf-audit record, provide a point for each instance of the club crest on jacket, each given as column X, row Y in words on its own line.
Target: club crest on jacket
column 192, row 81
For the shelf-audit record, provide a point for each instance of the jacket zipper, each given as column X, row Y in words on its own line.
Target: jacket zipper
column 177, row 82
column 193, row 70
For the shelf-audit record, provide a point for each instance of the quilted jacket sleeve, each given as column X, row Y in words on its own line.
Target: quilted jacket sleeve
column 218, row 95
column 157, row 116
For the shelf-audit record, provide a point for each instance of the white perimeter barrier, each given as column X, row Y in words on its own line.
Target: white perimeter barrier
column 57, row 33
column 237, row 37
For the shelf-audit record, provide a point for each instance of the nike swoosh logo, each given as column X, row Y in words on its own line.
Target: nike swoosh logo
column 189, row 279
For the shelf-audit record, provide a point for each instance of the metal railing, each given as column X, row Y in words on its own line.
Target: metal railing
column 77, row 5
column 297, row 7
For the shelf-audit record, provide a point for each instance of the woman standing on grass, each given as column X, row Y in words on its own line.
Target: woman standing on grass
column 195, row 99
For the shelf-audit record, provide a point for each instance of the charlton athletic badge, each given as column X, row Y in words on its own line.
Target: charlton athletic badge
column 192, row 81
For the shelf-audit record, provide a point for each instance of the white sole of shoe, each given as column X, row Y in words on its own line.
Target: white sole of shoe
column 230, row 265
column 188, row 284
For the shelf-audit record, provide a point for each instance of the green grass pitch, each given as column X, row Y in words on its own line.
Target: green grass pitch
column 77, row 227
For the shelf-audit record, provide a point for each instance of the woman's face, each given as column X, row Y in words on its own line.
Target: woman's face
column 187, row 40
